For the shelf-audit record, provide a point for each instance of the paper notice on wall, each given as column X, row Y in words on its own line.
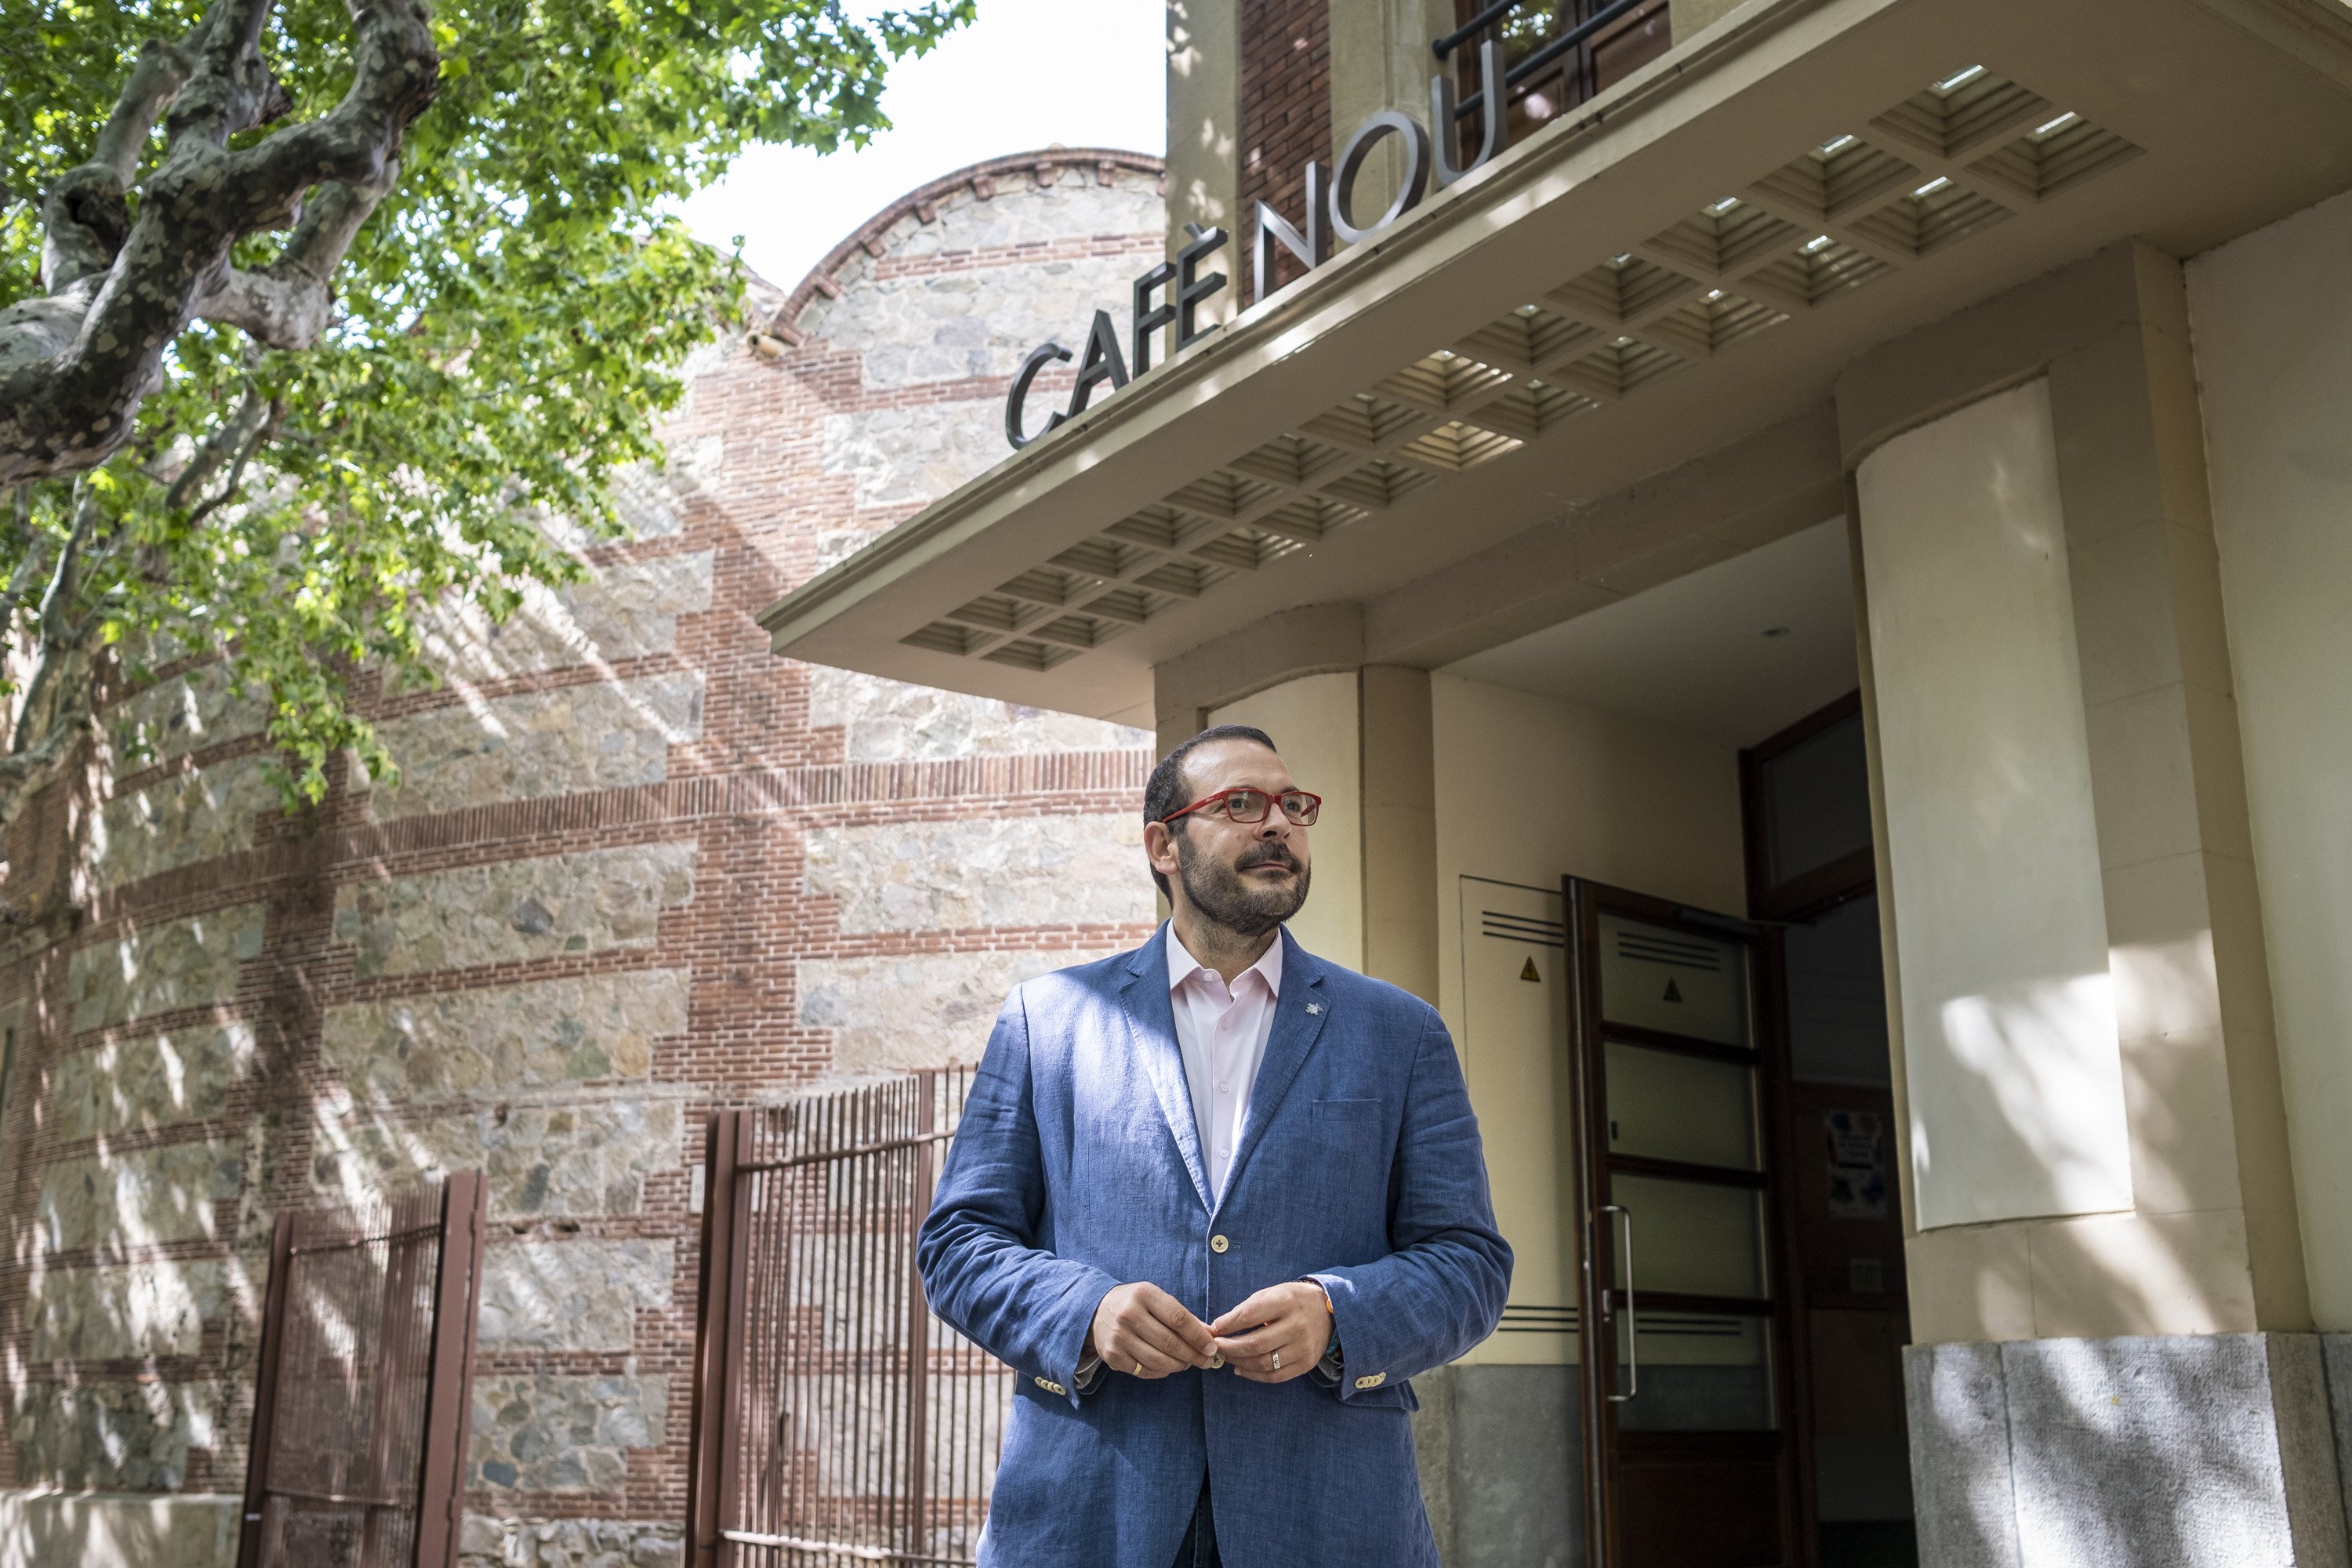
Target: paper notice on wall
column 1857, row 1151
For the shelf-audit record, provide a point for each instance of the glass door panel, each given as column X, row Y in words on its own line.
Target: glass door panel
column 1692, row 1238
column 1672, row 980
column 1667, row 1105
column 1698, row 1372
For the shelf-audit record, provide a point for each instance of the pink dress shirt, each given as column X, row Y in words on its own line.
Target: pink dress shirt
column 1222, row 1032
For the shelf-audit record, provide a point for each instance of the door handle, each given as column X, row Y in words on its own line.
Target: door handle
column 1633, row 1323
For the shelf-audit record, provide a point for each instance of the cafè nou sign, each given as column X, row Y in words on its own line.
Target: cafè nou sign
column 1429, row 161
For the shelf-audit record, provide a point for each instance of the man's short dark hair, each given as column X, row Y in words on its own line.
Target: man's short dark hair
column 1165, row 791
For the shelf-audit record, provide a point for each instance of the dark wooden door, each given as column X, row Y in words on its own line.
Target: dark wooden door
column 1687, row 1378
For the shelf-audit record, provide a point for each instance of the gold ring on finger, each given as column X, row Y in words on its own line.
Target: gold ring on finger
column 1139, row 1369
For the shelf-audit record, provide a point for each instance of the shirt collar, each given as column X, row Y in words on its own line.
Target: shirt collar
column 1183, row 965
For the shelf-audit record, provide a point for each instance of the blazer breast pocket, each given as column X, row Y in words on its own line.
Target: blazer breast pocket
column 1349, row 1110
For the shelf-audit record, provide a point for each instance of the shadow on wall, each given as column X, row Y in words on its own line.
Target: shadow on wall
column 506, row 1005
column 143, row 1255
column 2123, row 1411
column 2125, row 1451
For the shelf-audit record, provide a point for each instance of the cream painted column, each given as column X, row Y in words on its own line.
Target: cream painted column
column 1314, row 723
column 2106, row 1280
column 2272, row 322
column 1399, row 805
column 2212, row 1187
column 2107, row 1155
column 1204, row 133
column 2016, row 1107
column 1689, row 18
column 1380, row 59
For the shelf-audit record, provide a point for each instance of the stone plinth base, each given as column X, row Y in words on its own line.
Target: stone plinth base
column 570, row 1544
column 1501, row 1467
column 116, row 1530
column 2191, row 1451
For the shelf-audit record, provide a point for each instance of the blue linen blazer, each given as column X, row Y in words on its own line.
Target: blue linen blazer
column 1076, row 1167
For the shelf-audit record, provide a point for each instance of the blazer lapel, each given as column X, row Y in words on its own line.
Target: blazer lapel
column 1299, row 1016
column 1151, row 1020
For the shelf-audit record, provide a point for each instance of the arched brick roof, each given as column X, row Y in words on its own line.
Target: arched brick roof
column 1046, row 166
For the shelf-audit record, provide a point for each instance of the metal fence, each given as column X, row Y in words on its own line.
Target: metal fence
column 835, row 1420
column 367, row 1349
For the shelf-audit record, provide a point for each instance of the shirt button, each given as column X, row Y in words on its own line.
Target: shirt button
column 1223, row 1088
column 1217, row 1243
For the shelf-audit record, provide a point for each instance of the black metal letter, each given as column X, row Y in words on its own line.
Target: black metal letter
column 1387, row 122
column 1039, row 358
column 1150, row 318
column 1494, row 115
column 1274, row 228
column 1191, row 289
column 1101, row 361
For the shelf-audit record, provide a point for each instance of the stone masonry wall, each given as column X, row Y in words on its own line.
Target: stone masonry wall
column 632, row 867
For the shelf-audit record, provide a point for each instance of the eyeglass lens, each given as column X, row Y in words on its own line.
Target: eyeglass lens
column 1249, row 806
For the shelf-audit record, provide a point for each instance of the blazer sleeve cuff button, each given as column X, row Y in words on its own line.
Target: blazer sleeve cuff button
column 1371, row 1380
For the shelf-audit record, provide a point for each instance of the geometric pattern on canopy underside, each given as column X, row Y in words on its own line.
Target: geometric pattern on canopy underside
column 1961, row 155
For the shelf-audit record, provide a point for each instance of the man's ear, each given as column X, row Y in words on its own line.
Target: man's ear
column 1160, row 847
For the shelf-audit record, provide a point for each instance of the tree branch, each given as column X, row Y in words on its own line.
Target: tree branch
column 60, row 695
column 29, row 565
column 84, row 218
column 225, row 441
column 74, row 370
column 235, row 443
column 289, row 303
column 153, row 82
column 65, row 582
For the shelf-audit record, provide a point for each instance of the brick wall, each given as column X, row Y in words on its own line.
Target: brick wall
column 636, row 867
column 1286, row 113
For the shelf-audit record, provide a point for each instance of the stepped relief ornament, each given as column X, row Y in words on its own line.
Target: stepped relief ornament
column 1328, row 211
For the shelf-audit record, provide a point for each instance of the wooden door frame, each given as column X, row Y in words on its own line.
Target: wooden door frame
column 1824, row 887
column 1799, row 899
column 1596, row 1256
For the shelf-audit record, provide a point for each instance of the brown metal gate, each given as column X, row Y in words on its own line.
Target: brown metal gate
column 367, row 1353
column 835, row 1420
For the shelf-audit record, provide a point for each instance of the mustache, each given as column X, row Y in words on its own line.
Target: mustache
column 1265, row 854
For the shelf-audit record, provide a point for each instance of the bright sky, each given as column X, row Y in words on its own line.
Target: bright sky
column 1028, row 73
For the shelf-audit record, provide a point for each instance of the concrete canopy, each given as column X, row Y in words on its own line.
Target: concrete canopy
column 1604, row 360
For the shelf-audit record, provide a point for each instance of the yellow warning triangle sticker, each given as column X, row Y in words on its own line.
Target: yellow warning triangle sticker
column 1528, row 973
column 1674, row 992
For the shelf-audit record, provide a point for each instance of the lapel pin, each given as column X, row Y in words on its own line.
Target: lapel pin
column 1315, row 1007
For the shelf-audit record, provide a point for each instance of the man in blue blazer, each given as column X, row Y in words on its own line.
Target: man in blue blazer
column 1215, row 1201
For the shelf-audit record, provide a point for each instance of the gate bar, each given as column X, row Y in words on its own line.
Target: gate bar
column 715, row 1332
column 265, row 1391
column 450, row 1378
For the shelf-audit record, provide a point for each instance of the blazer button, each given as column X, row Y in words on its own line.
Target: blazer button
column 1371, row 1380
column 1049, row 1385
column 1218, row 1244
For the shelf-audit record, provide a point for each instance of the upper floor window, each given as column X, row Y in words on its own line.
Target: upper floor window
column 1618, row 37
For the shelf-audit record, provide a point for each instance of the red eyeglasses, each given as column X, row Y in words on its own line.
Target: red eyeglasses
column 1252, row 805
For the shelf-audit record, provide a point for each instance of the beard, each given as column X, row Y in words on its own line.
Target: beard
column 1220, row 892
